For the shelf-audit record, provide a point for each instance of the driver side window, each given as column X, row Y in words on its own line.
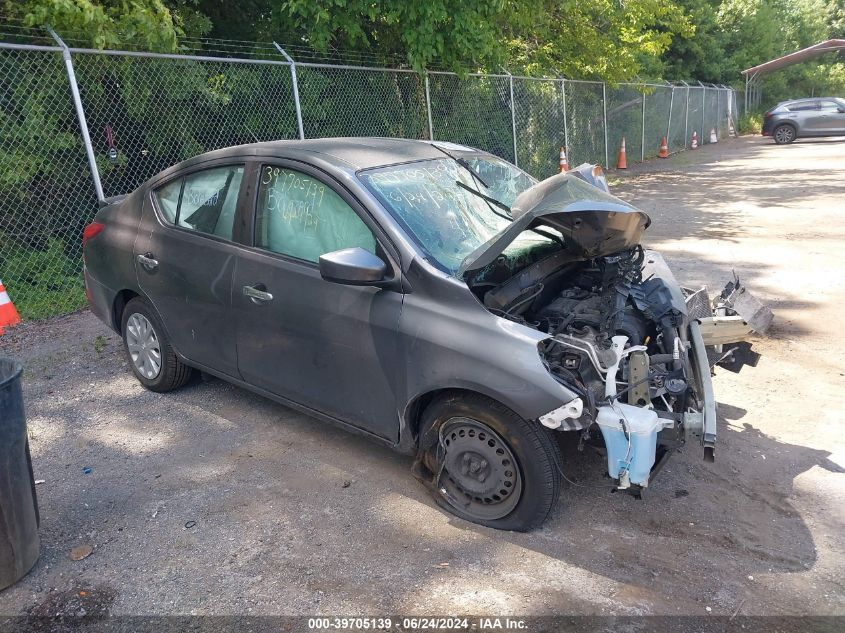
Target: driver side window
column 301, row 217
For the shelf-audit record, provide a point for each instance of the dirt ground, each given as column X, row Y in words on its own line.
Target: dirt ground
column 212, row 500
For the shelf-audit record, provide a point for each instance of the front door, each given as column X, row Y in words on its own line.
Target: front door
column 330, row 347
column 829, row 119
column 185, row 257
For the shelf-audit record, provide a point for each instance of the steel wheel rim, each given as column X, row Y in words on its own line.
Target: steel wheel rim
column 480, row 474
column 784, row 134
column 143, row 345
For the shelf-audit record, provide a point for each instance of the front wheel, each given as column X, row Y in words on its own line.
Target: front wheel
column 488, row 465
column 784, row 134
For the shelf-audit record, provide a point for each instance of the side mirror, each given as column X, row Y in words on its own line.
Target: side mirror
column 353, row 267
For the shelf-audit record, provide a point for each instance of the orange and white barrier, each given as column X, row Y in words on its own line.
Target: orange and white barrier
column 622, row 159
column 8, row 314
column 664, row 148
column 694, row 144
column 563, row 164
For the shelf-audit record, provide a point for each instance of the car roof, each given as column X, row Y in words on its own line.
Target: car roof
column 350, row 152
column 807, row 100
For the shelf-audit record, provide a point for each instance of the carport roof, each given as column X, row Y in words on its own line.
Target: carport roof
column 805, row 54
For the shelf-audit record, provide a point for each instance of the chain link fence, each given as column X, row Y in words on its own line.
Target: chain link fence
column 359, row 102
column 153, row 112
column 475, row 111
column 46, row 197
column 143, row 112
column 625, row 119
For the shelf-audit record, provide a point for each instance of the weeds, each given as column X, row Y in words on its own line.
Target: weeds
column 750, row 123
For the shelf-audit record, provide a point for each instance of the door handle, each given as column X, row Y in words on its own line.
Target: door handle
column 147, row 261
column 258, row 294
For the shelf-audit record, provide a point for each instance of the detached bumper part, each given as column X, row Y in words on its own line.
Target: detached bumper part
column 702, row 425
column 567, row 416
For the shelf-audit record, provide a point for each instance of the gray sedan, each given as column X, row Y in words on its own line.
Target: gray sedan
column 801, row 118
column 431, row 296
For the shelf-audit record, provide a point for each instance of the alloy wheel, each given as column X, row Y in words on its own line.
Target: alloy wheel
column 784, row 134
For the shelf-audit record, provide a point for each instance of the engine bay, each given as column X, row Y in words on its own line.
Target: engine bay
column 618, row 336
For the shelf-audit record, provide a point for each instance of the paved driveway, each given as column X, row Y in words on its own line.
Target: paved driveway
column 215, row 501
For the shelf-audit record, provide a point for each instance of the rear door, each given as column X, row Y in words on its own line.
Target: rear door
column 330, row 347
column 813, row 120
column 804, row 114
column 184, row 258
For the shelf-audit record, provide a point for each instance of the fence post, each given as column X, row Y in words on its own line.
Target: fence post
column 686, row 116
column 642, row 140
column 513, row 121
column 728, row 107
column 703, row 111
column 295, row 82
column 604, row 118
column 745, row 95
column 80, row 114
column 565, row 125
column 669, row 123
column 718, row 111
column 428, row 109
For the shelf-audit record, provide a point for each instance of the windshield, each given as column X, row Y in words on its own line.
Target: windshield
column 445, row 219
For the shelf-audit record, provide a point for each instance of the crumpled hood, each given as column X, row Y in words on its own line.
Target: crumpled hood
column 593, row 222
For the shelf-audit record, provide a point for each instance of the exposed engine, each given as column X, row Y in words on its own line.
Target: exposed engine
column 633, row 349
column 618, row 331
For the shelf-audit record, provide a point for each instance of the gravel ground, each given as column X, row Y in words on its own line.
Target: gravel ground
column 212, row 500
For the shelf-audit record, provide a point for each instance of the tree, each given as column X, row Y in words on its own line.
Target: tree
column 140, row 24
column 600, row 39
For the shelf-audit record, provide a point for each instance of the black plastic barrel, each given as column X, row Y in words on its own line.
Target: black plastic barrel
column 18, row 505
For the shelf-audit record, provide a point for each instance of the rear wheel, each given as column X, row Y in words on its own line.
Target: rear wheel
column 490, row 466
column 784, row 134
column 150, row 355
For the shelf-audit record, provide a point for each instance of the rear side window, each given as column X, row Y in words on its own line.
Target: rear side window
column 830, row 106
column 168, row 199
column 801, row 107
column 204, row 201
column 301, row 217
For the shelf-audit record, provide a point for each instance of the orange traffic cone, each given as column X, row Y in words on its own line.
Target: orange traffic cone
column 563, row 164
column 622, row 160
column 713, row 137
column 8, row 314
column 664, row 148
column 694, row 144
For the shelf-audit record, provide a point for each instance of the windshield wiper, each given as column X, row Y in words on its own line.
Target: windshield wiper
column 489, row 200
column 463, row 162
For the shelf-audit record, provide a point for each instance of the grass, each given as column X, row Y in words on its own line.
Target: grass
column 43, row 283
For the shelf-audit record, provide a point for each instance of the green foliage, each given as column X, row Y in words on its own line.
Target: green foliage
column 750, row 123
column 143, row 24
column 732, row 35
column 450, row 32
column 603, row 39
column 52, row 283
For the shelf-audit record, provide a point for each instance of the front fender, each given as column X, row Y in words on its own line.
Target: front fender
column 453, row 342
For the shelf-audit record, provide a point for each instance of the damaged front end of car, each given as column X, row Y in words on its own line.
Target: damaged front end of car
column 636, row 347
